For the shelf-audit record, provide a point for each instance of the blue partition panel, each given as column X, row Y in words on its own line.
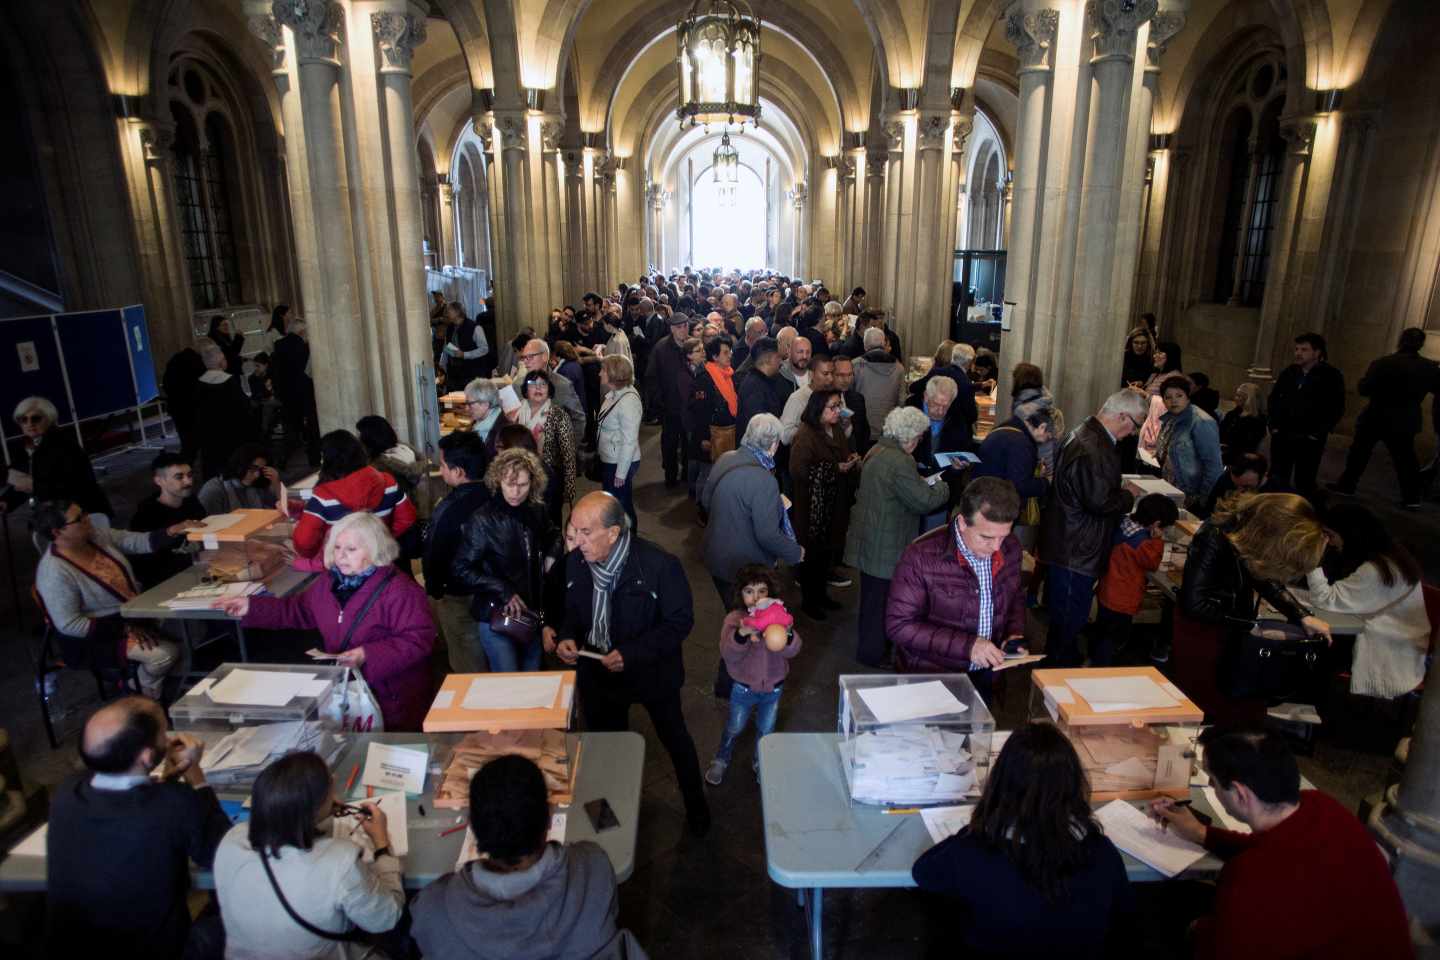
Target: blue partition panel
column 29, row 366
column 138, row 334
column 95, row 358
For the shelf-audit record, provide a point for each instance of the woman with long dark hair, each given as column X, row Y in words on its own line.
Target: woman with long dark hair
column 821, row 462
column 287, row 888
column 1139, row 361
column 348, row 484
column 1032, row 873
column 1366, row 572
column 229, row 342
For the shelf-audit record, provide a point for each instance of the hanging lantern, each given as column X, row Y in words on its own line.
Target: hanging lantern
column 726, row 170
column 719, row 54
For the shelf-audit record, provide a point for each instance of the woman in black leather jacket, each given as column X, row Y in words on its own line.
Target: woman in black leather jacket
column 1252, row 544
column 505, row 549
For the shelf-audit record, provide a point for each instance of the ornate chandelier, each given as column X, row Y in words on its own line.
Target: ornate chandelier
column 719, row 54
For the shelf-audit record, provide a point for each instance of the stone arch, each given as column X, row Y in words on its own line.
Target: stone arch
column 468, row 20
column 970, row 40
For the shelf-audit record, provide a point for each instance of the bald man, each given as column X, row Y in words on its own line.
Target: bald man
column 120, row 842
column 628, row 602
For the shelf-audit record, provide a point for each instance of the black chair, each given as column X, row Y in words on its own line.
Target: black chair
column 47, row 661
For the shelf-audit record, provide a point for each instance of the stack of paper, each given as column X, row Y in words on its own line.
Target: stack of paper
column 1142, row 838
column 265, row 688
column 205, row 596
column 238, row 757
column 915, row 764
column 547, row 748
column 1295, row 713
column 397, row 825
column 910, row 701
column 509, row 692
column 1113, row 694
column 943, row 822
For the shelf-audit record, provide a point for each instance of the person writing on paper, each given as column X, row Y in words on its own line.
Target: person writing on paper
column 1307, row 881
column 46, row 463
column 286, row 855
column 83, row 579
column 505, row 549
column 120, row 841
column 525, row 898
column 348, row 484
column 629, row 601
column 1033, row 875
column 248, row 482
column 956, row 600
column 369, row 613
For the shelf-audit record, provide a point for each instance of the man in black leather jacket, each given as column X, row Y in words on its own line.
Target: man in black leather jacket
column 1395, row 386
column 1078, row 524
column 462, row 466
column 1306, row 403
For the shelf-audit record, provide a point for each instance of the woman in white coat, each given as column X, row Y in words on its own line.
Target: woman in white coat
column 1377, row 579
column 617, row 438
column 288, row 889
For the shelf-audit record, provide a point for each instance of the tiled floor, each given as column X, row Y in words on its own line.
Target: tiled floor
column 712, row 897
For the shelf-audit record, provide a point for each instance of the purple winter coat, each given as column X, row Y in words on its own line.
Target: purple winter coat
column 397, row 634
column 935, row 603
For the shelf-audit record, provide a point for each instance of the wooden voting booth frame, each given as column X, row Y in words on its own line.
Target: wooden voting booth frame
column 90, row 364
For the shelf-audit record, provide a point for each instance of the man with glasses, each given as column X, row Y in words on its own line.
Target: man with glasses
column 1078, row 525
column 535, row 355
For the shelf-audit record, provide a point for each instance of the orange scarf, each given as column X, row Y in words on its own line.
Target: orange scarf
column 724, row 380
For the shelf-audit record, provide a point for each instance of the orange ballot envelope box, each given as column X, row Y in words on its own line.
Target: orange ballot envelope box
column 241, row 545
column 500, row 713
column 1134, row 730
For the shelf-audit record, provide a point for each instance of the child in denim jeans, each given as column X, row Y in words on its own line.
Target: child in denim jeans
column 758, row 671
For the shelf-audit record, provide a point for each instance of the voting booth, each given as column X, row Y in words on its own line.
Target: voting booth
column 913, row 740
column 1135, row 731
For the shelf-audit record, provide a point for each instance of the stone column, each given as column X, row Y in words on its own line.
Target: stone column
column 1299, row 133
column 1088, row 373
column 574, row 236
column 552, row 200
column 1033, row 32
column 888, row 266
column 147, row 153
column 797, row 195
column 515, row 271
column 1007, row 206
column 453, row 244
column 868, row 272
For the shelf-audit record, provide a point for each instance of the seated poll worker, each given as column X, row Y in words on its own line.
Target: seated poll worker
column 525, row 898
column 172, row 503
column 629, row 601
column 120, row 841
column 286, row 850
column 83, row 580
column 367, row 611
column 1307, row 881
column 1033, row 875
column 248, row 482
column 956, row 597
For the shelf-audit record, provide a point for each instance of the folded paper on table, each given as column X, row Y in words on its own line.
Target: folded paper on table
column 1142, row 838
column 505, row 692
column 1059, row 693
column 391, row 767
column 33, row 845
column 943, row 822
column 910, row 701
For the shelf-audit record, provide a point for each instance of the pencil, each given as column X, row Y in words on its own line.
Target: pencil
column 446, row 833
column 354, row 772
column 369, row 792
column 902, row 810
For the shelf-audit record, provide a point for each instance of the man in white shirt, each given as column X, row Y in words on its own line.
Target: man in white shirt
column 821, row 378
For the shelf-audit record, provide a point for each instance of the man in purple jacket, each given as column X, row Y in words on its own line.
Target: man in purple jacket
column 956, row 598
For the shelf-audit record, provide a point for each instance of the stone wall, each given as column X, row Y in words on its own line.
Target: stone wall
column 1217, row 340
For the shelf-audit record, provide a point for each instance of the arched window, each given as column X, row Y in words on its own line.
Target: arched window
column 204, row 187
column 1252, row 160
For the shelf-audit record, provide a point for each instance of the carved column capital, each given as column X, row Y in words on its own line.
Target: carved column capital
column 398, row 35
column 157, row 139
column 797, row 195
column 894, row 130
column 485, row 131
column 845, row 168
column 1299, row 133
column 932, row 131
column 574, row 162
column 267, row 30
column 1033, row 34
column 513, row 130
column 875, row 163
column 657, row 196
column 1163, row 28
column 318, row 26
column 960, row 133
column 1113, row 25
column 552, row 128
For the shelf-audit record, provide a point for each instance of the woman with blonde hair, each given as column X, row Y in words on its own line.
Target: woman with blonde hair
column 1250, row 547
column 506, row 547
column 617, row 434
column 1243, row 428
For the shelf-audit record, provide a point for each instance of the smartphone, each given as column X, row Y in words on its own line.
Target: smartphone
column 602, row 818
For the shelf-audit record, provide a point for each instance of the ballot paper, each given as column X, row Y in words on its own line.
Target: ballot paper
column 206, row 596
column 390, row 767
column 33, row 845
column 954, row 457
column 261, row 688
column 215, row 523
column 934, row 478
column 1122, row 693
column 500, row 691
column 1132, row 767
column 913, row 764
column 397, row 826
column 910, row 701
column 201, row 687
column 1295, row 713
column 1141, row 837
column 508, row 399
column 315, row 653
column 943, row 822
column 444, row 700
column 468, row 852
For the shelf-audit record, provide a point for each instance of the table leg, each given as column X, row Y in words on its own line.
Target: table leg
column 817, row 900
column 240, row 639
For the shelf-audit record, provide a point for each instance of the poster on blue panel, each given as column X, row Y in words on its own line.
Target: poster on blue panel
column 30, row 367
column 97, row 361
column 137, row 333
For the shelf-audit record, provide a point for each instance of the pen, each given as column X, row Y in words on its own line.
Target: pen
column 446, row 833
column 354, row 772
column 902, row 810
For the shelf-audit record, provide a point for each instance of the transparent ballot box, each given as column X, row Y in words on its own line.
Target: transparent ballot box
column 1134, row 730
column 241, row 546
column 913, row 740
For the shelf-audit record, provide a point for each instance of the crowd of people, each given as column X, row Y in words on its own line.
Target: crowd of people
column 807, row 441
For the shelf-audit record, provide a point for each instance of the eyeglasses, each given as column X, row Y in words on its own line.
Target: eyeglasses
column 833, row 406
column 531, row 355
column 71, row 523
column 30, row 418
column 1139, row 424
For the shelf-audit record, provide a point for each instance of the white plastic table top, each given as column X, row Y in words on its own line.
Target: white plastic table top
column 816, row 838
column 611, row 766
column 149, row 605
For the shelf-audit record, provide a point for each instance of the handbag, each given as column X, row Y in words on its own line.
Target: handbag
column 356, row 710
column 522, row 628
column 1273, row 660
column 722, row 441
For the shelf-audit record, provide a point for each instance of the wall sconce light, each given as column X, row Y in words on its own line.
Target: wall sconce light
column 1327, row 101
column 483, row 101
column 127, row 107
column 852, row 141
column 1160, row 141
column 595, row 141
column 831, row 161
column 909, row 98
column 534, row 99
column 957, row 98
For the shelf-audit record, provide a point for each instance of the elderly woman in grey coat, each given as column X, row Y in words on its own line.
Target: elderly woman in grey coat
column 892, row 499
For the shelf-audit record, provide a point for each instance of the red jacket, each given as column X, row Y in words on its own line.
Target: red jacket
column 1122, row 588
column 368, row 490
column 934, row 606
column 1314, row 887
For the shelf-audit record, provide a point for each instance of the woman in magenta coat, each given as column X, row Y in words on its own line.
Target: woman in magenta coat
column 390, row 645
